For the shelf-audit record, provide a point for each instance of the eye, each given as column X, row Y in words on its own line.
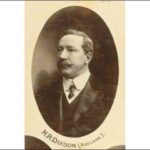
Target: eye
column 70, row 49
column 60, row 49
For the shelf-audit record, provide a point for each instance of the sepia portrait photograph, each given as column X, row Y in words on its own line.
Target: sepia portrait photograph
column 75, row 71
column 74, row 79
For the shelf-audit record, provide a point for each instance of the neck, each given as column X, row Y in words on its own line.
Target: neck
column 81, row 73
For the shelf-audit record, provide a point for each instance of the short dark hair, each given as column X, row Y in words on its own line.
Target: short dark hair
column 87, row 42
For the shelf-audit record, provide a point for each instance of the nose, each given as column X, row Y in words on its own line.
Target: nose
column 63, row 54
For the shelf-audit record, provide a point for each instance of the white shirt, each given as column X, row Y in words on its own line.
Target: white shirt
column 79, row 83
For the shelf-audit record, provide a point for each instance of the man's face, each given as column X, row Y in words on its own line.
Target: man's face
column 72, row 61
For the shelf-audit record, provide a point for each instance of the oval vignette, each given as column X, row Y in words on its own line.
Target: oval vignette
column 104, row 67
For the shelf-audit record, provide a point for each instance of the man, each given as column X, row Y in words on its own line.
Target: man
column 77, row 103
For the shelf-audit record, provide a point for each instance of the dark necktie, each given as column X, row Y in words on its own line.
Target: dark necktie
column 71, row 91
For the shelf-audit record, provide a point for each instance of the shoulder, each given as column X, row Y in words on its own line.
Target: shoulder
column 47, row 90
column 105, row 92
column 98, row 85
column 51, row 85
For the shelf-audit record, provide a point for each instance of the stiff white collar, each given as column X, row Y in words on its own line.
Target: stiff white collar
column 79, row 81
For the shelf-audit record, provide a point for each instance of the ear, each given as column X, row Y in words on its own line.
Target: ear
column 89, row 57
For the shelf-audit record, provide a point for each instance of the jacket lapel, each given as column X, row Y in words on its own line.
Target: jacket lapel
column 86, row 98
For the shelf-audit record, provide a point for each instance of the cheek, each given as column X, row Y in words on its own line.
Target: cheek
column 79, row 56
column 82, row 58
column 79, row 61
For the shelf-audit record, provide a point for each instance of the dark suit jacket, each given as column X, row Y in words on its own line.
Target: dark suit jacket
column 92, row 106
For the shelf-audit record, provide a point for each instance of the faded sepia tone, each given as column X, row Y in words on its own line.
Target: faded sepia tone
column 41, row 60
column 92, row 105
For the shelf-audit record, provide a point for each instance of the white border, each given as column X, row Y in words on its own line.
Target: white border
column 137, row 75
column 11, row 75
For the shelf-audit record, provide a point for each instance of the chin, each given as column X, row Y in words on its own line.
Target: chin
column 66, row 73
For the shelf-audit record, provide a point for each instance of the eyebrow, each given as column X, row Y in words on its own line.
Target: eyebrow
column 68, row 46
column 72, row 48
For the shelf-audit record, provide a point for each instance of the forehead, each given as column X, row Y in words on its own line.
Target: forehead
column 71, row 40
